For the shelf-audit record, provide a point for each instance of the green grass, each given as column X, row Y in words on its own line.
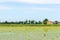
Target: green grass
column 31, row 25
column 29, row 32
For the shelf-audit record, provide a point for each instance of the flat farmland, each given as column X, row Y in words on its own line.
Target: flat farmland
column 29, row 32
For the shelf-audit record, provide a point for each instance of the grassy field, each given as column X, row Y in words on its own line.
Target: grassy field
column 29, row 32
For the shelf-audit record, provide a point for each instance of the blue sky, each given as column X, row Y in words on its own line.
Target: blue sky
column 15, row 10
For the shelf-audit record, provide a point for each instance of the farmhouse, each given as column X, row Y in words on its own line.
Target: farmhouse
column 50, row 22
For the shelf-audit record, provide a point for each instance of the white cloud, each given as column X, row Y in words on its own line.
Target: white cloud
column 54, row 9
column 38, row 8
column 34, row 1
column 32, row 8
column 27, row 8
column 7, row 0
column 5, row 8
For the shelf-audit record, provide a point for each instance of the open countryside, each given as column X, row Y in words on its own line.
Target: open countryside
column 29, row 32
column 29, row 19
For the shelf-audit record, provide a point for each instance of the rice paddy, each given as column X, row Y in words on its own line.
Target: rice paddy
column 17, row 32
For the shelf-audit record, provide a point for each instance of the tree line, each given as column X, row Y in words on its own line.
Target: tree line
column 22, row 22
column 28, row 22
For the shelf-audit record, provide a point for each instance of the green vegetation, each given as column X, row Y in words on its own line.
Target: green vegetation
column 24, row 31
column 31, row 25
column 22, row 22
column 45, row 21
column 29, row 32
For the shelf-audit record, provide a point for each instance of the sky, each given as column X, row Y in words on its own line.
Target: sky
column 16, row 10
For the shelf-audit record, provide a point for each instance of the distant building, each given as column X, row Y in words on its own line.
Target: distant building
column 50, row 22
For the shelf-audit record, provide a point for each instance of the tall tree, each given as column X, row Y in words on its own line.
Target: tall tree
column 32, row 22
column 45, row 21
column 26, row 22
column 36, row 22
column 56, row 22
column 40, row 22
column 21, row 22
column 6, row 22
